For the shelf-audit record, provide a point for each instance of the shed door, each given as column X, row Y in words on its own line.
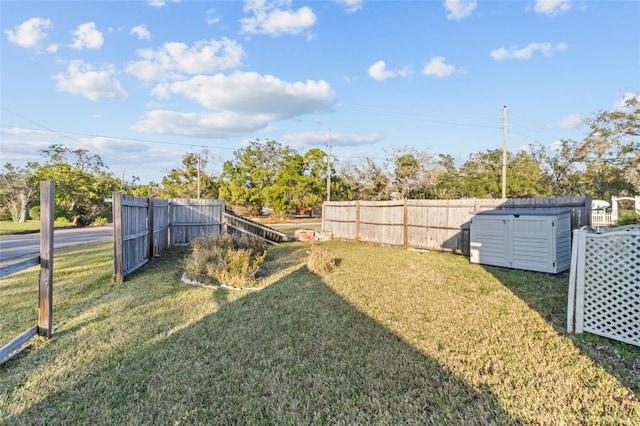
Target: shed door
column 490, row 244
column 532, row 243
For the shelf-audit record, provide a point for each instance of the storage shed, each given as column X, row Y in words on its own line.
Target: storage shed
column 533, row 240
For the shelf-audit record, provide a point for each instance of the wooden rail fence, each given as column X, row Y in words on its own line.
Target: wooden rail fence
column 441, row 225
column 144, row 227
column 45, row 286
column 237, row 224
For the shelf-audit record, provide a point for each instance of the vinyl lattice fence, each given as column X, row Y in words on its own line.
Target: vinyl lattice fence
column 441, row 225
column 144, row 227
column 604, row 284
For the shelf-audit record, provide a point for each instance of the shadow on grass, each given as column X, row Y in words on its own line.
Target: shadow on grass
column 548, row 295
column 293, row 353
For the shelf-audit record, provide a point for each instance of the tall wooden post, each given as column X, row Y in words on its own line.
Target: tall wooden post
column 45, row 291
column 118, row 257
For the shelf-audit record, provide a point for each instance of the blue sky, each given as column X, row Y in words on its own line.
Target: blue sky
column 140, row 83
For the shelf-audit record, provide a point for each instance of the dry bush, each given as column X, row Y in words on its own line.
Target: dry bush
column 320, row 261
column 225, row 259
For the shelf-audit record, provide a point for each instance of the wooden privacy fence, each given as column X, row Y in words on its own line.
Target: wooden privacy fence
column 441, row 225
column 604, row 284
column 45, row 260
column 144, row 227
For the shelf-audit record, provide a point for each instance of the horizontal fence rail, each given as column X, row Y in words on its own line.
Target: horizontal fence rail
column 45, row 284
column 441, row 225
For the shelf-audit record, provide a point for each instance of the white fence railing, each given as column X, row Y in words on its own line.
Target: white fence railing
column 604, row 284
column 601, row 218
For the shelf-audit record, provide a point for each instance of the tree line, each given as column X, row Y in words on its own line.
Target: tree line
column 267, row 175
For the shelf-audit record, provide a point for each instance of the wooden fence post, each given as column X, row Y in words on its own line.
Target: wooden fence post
column 357, row 221
column 45, row 291
column 405, row 225
column 118, row 259
column 151, row 225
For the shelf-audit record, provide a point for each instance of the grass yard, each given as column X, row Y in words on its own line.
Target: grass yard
column 30, row 226
column 389, row 337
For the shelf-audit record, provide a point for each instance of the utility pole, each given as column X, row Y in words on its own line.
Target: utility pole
column 329, row 168
column 198, row 176
column 504, row 152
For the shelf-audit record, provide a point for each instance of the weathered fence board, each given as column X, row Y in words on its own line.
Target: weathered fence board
column 144, row 227
column 239, row 224
column 441, row 225
column 191, row 219
column 159, row 224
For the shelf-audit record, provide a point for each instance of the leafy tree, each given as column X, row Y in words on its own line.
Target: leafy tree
column 81, row 181
column 411, row 172
column 370, row 182
column 481, row 176
column 247, row 180
column 445, row 175
column 294, row 188
column 17, row 191
column 183, row 182
column 559, row 167
column 611, row 151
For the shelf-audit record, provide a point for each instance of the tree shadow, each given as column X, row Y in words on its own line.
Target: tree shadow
column 294, row 353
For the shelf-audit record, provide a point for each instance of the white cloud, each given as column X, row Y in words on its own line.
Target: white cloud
column 87, row 37
column 547, row 49
column 239, row 103
column 212, row 17
column 350, row 6
column 459, row 9
column 552, row 7
column 378, row 71
column 20, row 131
column 571, row 121
column 141, row 31
column 82, row 79
column 29, row 33
column 437, row 67
column 629, row 100
column 176, row 59
column 276, row 18
column 320, row 138
column 209, row 124
column 254, row 94
column 160, row 3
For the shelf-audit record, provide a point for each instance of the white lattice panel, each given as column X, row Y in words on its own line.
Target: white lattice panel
column 612, row 285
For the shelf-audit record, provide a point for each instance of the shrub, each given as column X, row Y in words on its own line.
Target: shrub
column 320, row 261
column 98, row 221
column 62, row 219
column 34, row 213
column 628, row 219
column 225, row 259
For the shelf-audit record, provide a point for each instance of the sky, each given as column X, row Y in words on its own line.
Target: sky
column 142, row 83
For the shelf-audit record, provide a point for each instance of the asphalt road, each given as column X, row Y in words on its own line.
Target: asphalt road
column 15, row 246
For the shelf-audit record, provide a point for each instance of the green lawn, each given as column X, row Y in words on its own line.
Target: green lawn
column 8, row 228
column 389, row 337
